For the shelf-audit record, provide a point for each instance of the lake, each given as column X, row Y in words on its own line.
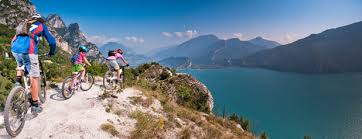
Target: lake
column 289, row 105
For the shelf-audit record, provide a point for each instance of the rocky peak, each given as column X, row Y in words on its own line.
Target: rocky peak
column 14, row 11
column 55, row 21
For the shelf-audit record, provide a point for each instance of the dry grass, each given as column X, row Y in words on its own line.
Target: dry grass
column 146, row 126
column 143, row 102
column 109, row 128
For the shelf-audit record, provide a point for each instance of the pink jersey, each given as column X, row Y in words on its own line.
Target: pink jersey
column 81, row 57
column 115, row 57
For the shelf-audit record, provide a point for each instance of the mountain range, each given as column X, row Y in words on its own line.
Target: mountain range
column 210, row 51
column 333, row 50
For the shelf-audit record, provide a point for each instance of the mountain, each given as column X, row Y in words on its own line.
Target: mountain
column 210, row 51
column 131, row 57
column 14, row 11
column 191, row 48
column 176, row 62
column 70, row 37
column 334, row 50
column 264, row 42
column 113, row 46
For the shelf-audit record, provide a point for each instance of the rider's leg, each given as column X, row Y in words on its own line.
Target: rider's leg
column 118, row 74
column 20, row 67
column 34, row 73
column 82, row 74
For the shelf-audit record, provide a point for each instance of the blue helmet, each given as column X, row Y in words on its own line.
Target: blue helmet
column 83, row 48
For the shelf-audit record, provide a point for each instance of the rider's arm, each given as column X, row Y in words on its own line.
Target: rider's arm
column 51, row 40
column 122, row 58
column 86, row 60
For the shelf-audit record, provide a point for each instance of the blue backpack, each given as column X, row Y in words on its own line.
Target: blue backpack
column 74, row 58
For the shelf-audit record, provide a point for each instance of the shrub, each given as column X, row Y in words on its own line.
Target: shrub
column 263, row 136
column 109, row 128
column 146, row 126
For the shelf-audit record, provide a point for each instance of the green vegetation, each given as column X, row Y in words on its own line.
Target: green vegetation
column 307, row 137
column 263, row 136
column 244, row 123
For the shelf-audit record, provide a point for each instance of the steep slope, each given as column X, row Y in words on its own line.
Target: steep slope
column 70, row 37
column 14, row 11
column 225, row 52
column 192, row 48
column 260, row 41
column 334, row 50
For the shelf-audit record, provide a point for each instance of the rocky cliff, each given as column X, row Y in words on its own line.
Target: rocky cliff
column 70, row 37
column 14, row 11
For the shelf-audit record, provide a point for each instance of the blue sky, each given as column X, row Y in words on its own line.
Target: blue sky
column 156, row 23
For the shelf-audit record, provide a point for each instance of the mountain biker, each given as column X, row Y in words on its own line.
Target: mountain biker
column 77, row 61
column 112, row 62
column 24, row 48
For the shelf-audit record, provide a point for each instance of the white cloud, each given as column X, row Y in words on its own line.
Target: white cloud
column 134, row 39
column 167, row 34
column 240, row 36
column 288, row 38
column 191, row 33
column 179, row 34
column 101, row 40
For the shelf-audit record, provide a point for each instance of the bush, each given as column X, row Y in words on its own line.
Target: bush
column 146, row 126
column 263, row 136
column 244, row 123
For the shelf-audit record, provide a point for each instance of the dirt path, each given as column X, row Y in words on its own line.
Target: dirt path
column 77, row 117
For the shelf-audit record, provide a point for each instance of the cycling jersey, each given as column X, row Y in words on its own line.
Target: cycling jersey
column 29, row 44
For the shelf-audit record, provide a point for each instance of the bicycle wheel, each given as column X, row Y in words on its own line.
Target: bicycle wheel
column 67, row 88
column 88, row 82
column 108, row 80
column 42, row 88
column 16, row 107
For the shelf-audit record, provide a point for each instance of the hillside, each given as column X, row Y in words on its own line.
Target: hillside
column 157, row 104
column 334, row 50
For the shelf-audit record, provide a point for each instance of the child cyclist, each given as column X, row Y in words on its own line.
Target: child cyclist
column 77, row 61
column 113, row 64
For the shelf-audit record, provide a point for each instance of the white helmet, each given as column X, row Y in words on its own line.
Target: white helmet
column 36, row 16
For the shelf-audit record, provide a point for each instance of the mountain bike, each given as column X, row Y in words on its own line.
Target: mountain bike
column 110, row 78
column 68, row 89
column 18, row 102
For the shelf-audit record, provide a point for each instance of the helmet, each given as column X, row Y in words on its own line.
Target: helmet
column 36, row 16
column 83, row 48
column 119, row 50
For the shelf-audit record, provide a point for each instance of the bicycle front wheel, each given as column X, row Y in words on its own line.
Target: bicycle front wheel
column 87, row 83
column 67, row 88
column 16, row 107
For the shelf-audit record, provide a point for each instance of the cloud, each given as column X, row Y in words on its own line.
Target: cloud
column 288, row 38
column 101, row 40
column 191, row 33
column 179, row 34
column 134, row 39
column 240, row 36
column 167, row 34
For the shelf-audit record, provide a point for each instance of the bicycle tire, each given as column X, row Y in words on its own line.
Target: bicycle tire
column 64, row 87
column 15, row 90
column 87, row 76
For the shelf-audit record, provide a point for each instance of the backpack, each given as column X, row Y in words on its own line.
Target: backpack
column 74, row 58
column 111, row 53
column 23, row 29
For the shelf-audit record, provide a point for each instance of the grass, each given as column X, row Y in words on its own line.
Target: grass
column 139, row 100
column 109, row 128
column 147, row 126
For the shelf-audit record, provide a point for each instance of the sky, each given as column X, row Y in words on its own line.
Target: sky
column 149, row 24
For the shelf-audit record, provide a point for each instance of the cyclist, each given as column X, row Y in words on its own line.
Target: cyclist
column 77, row 61
column 24, row 48
column 112, row 62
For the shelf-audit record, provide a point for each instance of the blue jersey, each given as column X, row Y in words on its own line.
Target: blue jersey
column 29, row 44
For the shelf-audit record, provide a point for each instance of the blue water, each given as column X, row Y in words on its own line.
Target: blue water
column 289, row 105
